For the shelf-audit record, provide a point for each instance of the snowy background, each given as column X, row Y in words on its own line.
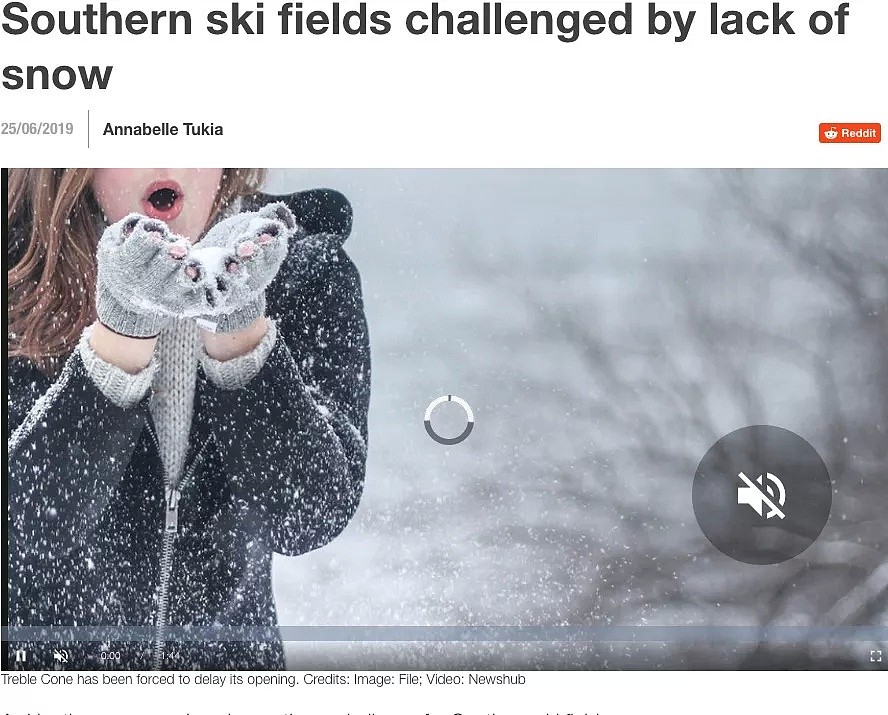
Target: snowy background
column 606, row 327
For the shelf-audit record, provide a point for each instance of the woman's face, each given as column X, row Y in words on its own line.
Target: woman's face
column 182, row 198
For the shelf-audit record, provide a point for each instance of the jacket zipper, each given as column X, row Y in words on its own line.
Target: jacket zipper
column 172, row 499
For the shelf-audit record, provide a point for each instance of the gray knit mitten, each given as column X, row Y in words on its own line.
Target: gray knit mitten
column 145, row 277
column 243, row 253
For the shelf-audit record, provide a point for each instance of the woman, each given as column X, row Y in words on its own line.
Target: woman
column 163, row 442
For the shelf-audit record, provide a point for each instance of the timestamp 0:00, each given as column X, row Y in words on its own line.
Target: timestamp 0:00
column 36, row 128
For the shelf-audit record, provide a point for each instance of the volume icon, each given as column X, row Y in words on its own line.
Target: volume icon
column 766, row 491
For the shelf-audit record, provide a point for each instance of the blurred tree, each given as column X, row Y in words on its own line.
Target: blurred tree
column 781, row 318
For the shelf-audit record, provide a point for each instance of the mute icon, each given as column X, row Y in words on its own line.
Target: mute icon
column 767, row 490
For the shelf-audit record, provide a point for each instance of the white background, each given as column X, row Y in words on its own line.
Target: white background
column 612, row 693
column 509, row 101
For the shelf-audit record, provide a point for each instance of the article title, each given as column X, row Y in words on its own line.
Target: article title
column 437, row 18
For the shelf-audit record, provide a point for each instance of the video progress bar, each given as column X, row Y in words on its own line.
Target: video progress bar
column 457, row 634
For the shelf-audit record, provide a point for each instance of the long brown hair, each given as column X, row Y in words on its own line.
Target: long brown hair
column 53, row 221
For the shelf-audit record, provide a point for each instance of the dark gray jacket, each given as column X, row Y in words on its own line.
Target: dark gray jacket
column 277, row 466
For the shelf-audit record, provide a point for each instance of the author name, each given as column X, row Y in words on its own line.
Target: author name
column 164, row 129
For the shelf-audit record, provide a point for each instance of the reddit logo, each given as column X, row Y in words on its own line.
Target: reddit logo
column 835, row 133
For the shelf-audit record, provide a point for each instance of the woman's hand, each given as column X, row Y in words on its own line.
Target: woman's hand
column 145, row 277
column 241, row 256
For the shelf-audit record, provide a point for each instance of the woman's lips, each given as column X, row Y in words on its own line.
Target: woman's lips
column 163, row 200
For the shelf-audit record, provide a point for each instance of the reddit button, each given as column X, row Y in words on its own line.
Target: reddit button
column 850, row 133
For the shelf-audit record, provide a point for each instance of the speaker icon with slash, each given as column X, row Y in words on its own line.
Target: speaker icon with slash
column 750, row 518
column 767, row 490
